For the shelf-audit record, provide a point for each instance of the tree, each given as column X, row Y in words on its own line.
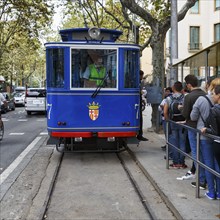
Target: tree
column 23, row 19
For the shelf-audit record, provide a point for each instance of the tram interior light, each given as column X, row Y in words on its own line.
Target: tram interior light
column 94, row 33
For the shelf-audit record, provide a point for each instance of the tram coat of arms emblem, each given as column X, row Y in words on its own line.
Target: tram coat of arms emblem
column 93, row 110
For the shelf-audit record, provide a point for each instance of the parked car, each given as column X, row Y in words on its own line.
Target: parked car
column 10, row 105
column 19, row 98
column 35, row 100
column 20, row 89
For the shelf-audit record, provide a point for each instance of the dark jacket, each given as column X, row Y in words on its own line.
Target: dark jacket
column 189, row 101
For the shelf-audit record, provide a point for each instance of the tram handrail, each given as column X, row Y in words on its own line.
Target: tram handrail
column 197, row 160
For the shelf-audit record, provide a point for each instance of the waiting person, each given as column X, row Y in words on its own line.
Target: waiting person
column 167, row 92
column 201, row 111
column 215, row 123
column 140, row 133
column 189, row 100
column 176, row 136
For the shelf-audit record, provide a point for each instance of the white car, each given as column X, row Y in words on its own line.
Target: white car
column 35, row 100
column 19, row 98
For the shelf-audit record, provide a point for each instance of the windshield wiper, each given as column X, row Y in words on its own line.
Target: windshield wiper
column 98, row 88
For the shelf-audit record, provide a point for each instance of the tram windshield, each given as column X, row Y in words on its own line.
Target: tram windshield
column 93, row 67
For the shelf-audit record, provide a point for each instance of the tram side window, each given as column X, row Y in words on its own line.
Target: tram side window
column 130, row 69
column 94, row 67
column 55, row 68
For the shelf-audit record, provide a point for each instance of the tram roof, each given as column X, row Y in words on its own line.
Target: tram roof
column 209, row 55
column 88, row 45
column 79, row 34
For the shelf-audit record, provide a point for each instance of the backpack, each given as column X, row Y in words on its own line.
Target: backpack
column 174, row 113
column 213, row 120
column 210, row 117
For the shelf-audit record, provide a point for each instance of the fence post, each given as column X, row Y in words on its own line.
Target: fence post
column 167, row 145
column 197, row 164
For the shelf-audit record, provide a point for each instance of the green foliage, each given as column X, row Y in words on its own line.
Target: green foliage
column 21, row 25
column 111, row 14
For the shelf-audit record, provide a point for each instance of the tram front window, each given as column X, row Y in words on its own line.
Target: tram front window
column 93, row 67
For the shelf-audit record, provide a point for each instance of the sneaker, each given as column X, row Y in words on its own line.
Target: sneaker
column 210, row 195
column 201, row 186
column 189, row 175
column 218, row 196
column 176, row 166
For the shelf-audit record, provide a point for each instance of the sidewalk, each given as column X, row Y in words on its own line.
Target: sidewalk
column 179, row 192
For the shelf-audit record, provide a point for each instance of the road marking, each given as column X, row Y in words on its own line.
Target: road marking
column 16, row 134
column 22, row 119
column 41, row 119
column 5, row 119
column 44, row 133
column 18, row 160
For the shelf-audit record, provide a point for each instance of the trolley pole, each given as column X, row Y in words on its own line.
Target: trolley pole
column 174, row 41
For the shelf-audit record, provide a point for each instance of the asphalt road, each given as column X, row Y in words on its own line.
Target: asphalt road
column 20, row 130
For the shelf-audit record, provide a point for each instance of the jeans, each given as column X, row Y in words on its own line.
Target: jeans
column 164, row 124
column 192, row 140
column 216, row 151
column 217, row 169
column 177, row 138
column 207, row 157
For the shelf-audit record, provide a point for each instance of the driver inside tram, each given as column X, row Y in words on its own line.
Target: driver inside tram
column 95, row 72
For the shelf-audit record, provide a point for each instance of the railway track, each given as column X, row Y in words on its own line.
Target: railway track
column 104, row 185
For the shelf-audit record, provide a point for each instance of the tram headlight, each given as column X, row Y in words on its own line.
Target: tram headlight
column 94, row 33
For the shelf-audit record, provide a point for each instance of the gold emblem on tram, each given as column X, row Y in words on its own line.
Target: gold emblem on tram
column 93, row 110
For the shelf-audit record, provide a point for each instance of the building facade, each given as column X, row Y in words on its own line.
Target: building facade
column 198, row 30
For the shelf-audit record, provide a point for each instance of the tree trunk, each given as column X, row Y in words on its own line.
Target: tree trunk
column 157, row 45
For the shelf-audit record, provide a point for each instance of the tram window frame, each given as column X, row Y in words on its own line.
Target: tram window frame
column 131, row 71
column 109, row 56
column 55, row 67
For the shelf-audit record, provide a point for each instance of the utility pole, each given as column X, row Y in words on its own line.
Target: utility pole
column 174, row 41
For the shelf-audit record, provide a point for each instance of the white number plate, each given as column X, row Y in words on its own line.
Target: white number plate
column 37, row 102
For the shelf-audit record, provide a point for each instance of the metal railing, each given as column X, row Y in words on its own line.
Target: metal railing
column 197, row 160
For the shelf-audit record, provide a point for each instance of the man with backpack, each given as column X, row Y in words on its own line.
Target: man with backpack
column 176, row 134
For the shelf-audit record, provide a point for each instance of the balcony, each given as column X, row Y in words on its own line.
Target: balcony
column 194, row 47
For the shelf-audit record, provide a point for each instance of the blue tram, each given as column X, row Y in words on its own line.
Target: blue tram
column 93, row 94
